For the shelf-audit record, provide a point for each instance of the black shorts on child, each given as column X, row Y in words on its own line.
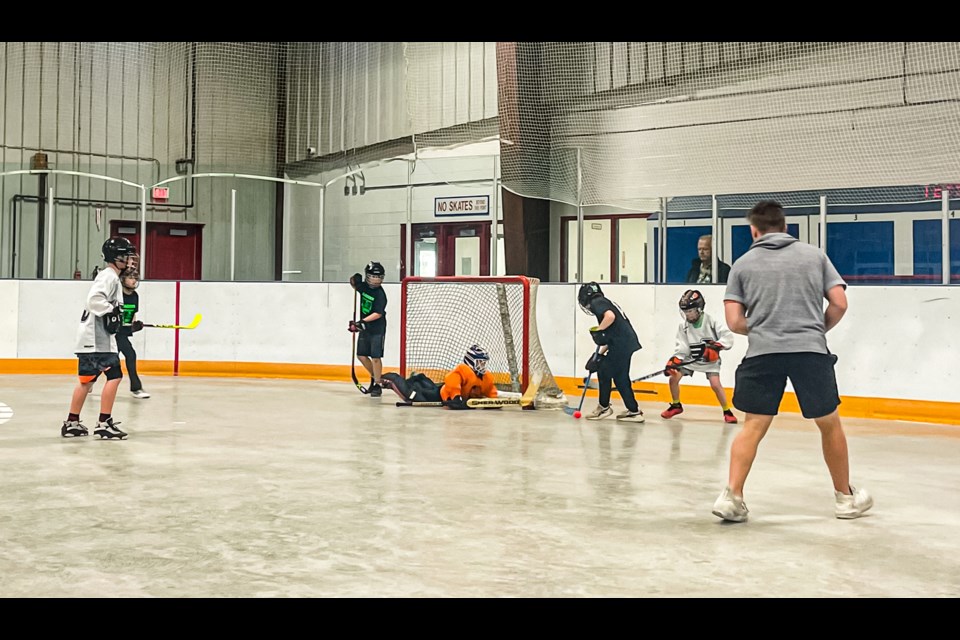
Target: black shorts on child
column 370, row 344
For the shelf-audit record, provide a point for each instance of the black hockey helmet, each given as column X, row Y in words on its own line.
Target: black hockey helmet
column 476, row 358
column 690, row 300
column 115, row 248
column 588, row 292
column 374, row 270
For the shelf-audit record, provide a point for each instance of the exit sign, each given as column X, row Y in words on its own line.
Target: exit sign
column 161, row 193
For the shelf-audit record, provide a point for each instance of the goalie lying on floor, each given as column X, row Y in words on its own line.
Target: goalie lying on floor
column 467, row 381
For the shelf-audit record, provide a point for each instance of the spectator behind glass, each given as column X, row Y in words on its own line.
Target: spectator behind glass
column 701, row 267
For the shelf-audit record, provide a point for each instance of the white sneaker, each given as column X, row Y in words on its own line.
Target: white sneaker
column 631, row 416
column 852, row 506
column 600, row 413
column 140, row 393
column 730, row 507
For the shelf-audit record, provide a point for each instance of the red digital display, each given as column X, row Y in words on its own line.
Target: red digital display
column 935, row 191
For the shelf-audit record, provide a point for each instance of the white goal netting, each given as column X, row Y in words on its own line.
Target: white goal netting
column 443, row 317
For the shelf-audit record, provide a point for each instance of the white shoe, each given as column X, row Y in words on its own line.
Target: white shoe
column 630, row 416
column 852, row 506
column 600, row 413
column 140, row 393
column 730, row 507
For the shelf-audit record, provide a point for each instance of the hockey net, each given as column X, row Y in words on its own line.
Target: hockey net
column 443, row 316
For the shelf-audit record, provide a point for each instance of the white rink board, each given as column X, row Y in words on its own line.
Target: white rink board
column 894, row 342
column 9, row 315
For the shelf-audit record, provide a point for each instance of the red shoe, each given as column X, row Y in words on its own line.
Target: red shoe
column 674, row 409
column 729, row 417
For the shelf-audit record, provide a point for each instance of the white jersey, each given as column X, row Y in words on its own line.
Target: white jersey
column 706, row 329
column 92, row 334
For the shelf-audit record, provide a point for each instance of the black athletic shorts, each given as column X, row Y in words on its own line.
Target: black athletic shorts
column 370, row 344
column 93, row 364
column 761, row 380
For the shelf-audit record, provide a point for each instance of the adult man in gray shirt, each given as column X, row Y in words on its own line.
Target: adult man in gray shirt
column 775, row 297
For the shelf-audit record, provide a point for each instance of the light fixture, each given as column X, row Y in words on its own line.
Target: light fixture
column 363, row 183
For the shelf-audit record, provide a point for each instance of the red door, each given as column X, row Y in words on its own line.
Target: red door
column 174, row 249
column 448, row 249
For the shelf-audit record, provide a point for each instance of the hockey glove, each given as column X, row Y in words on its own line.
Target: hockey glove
column 136, row 326
column 355, row 280
column 457, row 403
column 357, row 327
column 672, row 366
column 711, row 351
column 593, row 364
column 599, row 336
column 113, row 319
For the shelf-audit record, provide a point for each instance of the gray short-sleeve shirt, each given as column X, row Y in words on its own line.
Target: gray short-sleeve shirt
column 782, row 283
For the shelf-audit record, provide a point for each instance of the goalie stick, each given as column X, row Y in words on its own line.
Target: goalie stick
column 526, row 401
column 193, row 325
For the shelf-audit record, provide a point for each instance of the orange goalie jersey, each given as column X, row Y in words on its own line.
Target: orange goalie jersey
column 462, row 381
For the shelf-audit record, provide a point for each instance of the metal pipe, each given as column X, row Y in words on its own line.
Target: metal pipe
column 409, row 248
column 714, row 241
column 579, row 219
column 945, row 234
column 142, row 262
column 320, row 222
column 662, row 266
column 50, row 226
column 823, row 223
column 496, row 214
column 233, row 232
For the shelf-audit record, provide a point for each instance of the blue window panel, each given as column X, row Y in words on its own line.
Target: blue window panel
column 681, row 250
column 740, row 238
column 928, row 251
column 861, row 251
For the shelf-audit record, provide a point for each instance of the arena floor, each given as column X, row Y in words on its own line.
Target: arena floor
column 294, row 488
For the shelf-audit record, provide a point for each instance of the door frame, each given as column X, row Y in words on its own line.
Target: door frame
column 446, row 234
column 155, row 225
column 614, row 219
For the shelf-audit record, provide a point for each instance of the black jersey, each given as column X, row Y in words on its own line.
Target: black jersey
column 373, row 300
column 131, row 304
column 620, row 335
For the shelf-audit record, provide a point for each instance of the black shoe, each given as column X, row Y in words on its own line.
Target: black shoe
column 73, row 429
column 376, row 391
column 109, row 431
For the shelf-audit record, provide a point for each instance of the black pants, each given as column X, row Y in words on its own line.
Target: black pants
column 615, row 369
column 130, row 357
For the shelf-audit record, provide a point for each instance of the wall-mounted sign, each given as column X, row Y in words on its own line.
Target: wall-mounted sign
column 461, row 206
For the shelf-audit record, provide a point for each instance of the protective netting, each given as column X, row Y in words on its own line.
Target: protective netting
column 623, row 123
column 443, row 317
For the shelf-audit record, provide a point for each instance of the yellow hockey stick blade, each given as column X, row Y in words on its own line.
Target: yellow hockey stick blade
column 193, row 325
column 487, row 403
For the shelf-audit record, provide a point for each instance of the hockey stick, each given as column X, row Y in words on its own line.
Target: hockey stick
column 353, row 357
column 473, row 403
column 526, row 401
column 193, row 325
column 659, row 372
column 586, row 384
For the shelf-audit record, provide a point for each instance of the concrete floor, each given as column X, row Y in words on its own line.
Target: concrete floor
column 294, row 488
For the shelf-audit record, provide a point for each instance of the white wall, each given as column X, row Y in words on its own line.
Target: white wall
column 894, row 342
